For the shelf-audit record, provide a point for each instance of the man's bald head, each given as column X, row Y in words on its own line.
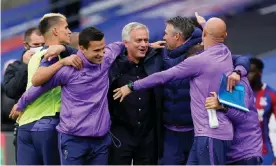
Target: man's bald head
column 216, row 29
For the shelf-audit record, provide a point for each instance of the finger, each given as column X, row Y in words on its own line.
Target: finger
column 76, row 64
column 234, row 82
column 162, row 42
column 228, row 83
column 196, row 14
column 208, row 107
column 20, row 114
column 209, row 99
column 232, row 85
column 79, row 62
column 116, row 90
column 10, row 116
column 210, row 103
column 122, row 98
column 46, row 56
column 13, row 116
column 214, row 94
column 117, row 95
column 50, row 57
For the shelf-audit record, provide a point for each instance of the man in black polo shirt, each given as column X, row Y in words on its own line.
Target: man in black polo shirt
column 135, row 121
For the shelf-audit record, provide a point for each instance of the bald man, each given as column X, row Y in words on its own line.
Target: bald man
column 205, row 72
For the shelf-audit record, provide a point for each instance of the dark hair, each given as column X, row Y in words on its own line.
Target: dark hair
column 48, row 22
column 89, row 34
column 258, row 63
column 29, row 32
column 184, row 24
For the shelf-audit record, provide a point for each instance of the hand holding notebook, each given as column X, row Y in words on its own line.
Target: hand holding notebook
column 233, row 99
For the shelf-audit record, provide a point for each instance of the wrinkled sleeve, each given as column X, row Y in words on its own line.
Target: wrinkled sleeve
column 60, row 78
column 112, row 51
column 241, row 63
column 185, row 69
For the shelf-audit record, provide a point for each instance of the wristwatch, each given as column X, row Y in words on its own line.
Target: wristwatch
column 130, row 85
column 238, row 72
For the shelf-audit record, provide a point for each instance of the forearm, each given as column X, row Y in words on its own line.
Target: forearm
column 241, row 63
column 236, row 116
column 30, row 96
column 44, row 74
column 148, row 82
column 185, row 69
column 156, row 79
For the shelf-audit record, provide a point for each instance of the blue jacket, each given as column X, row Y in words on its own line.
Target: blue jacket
column 176, row 94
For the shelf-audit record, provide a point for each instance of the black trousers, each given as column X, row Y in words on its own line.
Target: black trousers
column 140, row 149
column 15, row 131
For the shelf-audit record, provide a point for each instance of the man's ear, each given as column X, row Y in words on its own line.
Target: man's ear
column 177, row 36
column 26, row 46
column 225, row 34
column 54, row 31
column 82, row 49
column 204, row 33
column 126, row 43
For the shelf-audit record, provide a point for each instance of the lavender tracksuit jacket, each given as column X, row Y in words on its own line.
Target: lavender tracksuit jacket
column 84, row 107
column 247, row 141
column 205, row 71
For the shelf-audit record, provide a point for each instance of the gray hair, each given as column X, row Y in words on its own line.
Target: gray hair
column 130, row 27
column 182, row 25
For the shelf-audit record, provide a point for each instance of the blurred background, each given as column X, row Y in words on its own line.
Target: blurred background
column 251, row 31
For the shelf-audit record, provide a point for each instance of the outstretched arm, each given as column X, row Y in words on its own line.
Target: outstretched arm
column 48, row 68
column 62, row 77
column 185, row 69
column 112, row 51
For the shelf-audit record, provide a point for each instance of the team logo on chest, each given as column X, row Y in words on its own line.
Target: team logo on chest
column 263, row 101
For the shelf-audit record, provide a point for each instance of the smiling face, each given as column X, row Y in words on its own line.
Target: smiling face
column 95, row 51
column 137, row 46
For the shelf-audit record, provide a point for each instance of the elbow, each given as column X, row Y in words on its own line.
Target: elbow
column 36, row 81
